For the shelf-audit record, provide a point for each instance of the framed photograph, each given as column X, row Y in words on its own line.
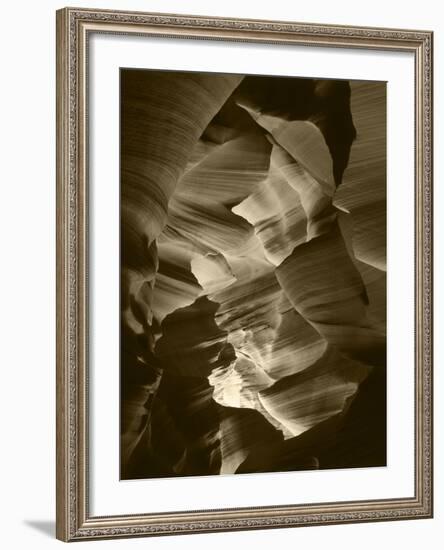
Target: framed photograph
column 244, row 274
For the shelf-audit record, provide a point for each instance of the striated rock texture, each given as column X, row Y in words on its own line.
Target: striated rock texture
column 253, row 274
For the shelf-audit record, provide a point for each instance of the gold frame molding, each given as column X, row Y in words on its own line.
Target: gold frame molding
column 73, row 519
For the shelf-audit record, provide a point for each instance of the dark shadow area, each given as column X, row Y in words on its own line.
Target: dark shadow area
column 47, row 527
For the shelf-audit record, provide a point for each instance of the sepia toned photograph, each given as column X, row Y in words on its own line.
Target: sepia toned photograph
column 252, row 273
column 244, row 273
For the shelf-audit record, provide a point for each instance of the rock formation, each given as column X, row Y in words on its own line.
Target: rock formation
column 253, row 286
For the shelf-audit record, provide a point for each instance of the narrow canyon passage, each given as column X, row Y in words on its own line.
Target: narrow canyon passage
column 253, row 274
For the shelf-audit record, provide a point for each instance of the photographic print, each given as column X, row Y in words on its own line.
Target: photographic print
column 253, row 274
column 223, row 222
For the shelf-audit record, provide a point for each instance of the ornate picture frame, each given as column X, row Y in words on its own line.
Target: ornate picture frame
column 75, row 521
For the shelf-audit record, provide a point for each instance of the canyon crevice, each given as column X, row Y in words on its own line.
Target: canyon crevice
column 253, row 274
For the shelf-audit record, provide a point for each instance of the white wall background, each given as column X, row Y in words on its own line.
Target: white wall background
column 27, row 272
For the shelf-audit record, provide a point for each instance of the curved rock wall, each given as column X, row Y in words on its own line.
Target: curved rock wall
column 252, row 274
